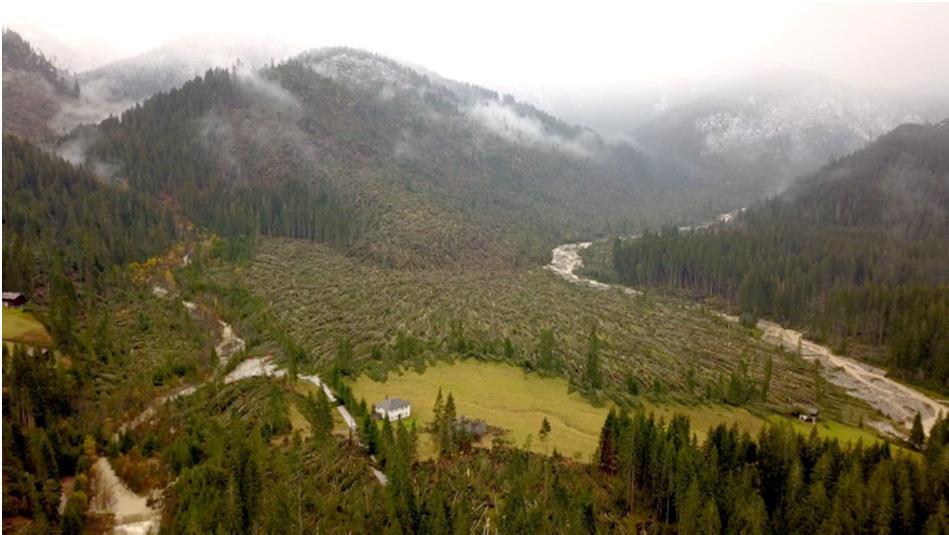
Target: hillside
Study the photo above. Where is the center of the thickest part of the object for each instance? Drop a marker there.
(757, 134)
(401, 318)
(135, 79)
(428, 171)
(34, 89)
(60, 221)
(855, 253)
(226, 277)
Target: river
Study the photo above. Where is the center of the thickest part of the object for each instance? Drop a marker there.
(863, 381)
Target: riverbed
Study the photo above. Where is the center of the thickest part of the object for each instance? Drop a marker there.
(896, 401)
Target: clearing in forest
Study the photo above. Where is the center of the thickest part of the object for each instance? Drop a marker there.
(503, 396)
(517, 401)
(21, 327)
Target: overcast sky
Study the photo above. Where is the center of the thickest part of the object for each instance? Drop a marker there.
(536, 48)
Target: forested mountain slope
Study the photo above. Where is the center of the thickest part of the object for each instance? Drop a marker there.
(855, 253)
(60, 220)
(68, 242)
(34, 90)
(427, 171)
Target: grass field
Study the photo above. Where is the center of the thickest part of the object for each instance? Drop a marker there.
(705, 416)
(503, 396)
(22, 328)
(509, 398)
(830, 429)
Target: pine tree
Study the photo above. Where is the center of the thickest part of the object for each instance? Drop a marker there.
(690, 511)
(607, 451)
(882, 505)
(449, 418)
(438, 411)
(344, 356)
(544, 432)
(593, 375)
(324, 415)
(917, 436)
(545, 351)
(369, 435)
(766, 385)
(711, 522)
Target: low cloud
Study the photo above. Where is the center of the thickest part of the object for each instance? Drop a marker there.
(268, 91)
(96, 102)
(515, 127)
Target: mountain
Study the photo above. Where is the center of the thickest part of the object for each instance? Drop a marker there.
(755, 135)
(429, 170)
(117, 86)
(855, 253)
(136, 78)
(34, 89)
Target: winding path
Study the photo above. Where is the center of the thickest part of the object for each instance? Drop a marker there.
(343, 411)
(863, 381)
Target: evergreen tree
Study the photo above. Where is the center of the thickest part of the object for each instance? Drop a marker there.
(544, 432)
(546, 360)
(593, 375)
(447, 433)
(369, 434)
(324, 414)
(690, 511)
(917, 436)
(766, 385)
(711, 522)
(606, 452)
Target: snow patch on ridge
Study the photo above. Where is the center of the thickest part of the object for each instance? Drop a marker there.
(798, 121)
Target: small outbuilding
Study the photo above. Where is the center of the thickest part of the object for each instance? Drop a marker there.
(393, 409)
(807, 414)
(473, 427)
(13, 299)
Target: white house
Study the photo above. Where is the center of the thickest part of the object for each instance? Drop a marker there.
(393, 409)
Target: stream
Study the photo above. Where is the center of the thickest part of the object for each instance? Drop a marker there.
(132, 514)
(863, 381)
(565, 260)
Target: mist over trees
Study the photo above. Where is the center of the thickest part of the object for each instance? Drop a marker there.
(343, 214)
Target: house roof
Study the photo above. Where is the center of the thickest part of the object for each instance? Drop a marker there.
(392, 404)
(11, 295)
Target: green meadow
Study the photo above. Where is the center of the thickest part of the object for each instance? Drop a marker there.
(516, 401)
(22, 328)
(503, 396)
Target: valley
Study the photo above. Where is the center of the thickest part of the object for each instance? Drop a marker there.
(894, 400)
(387, 319)
(255, 288)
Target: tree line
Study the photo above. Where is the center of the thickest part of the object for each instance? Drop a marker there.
(777, 482)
